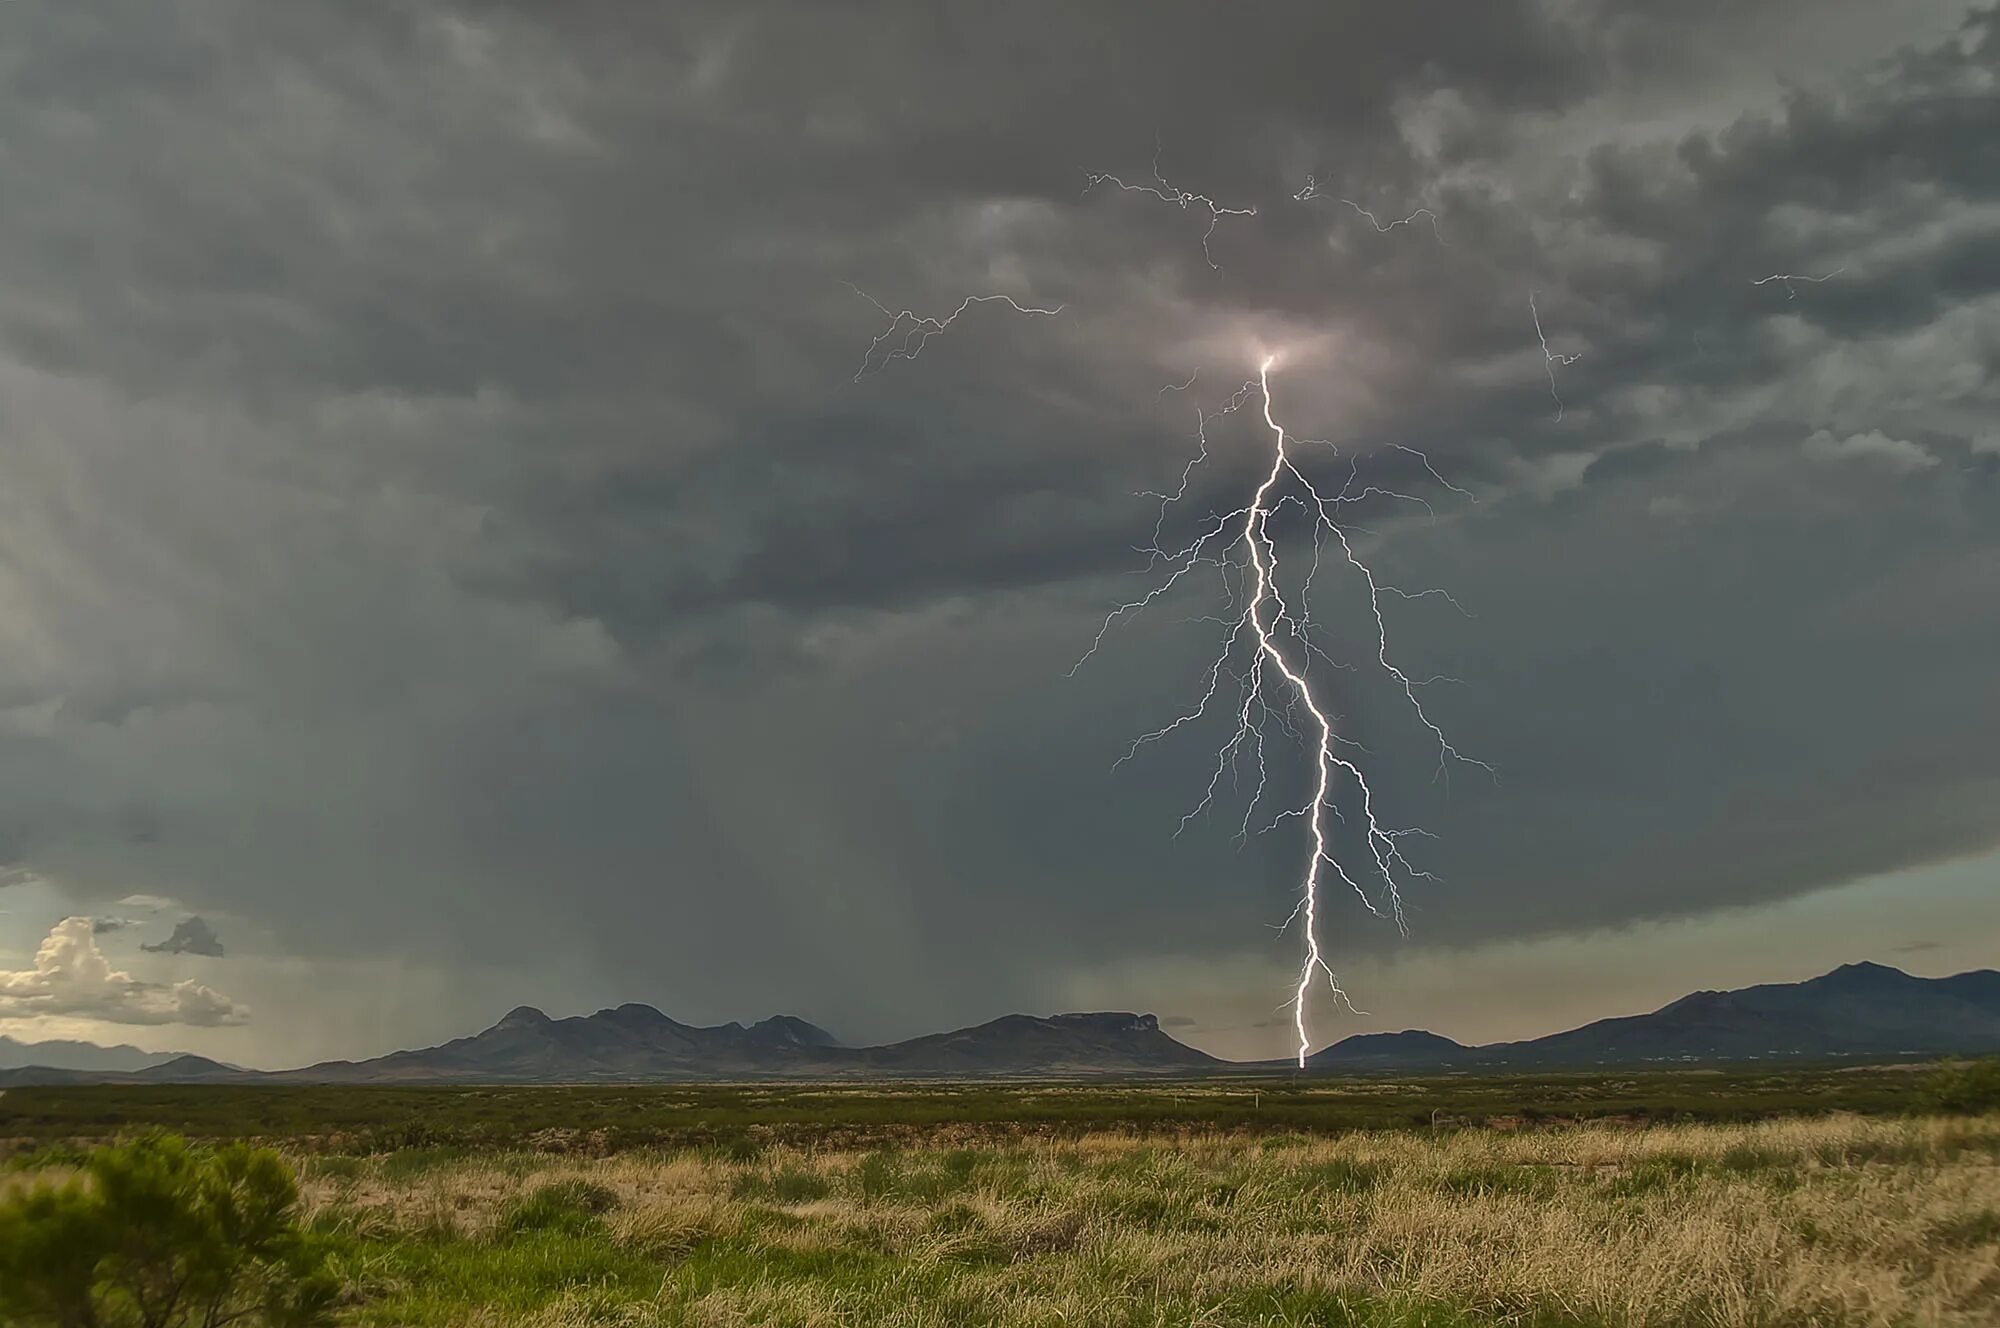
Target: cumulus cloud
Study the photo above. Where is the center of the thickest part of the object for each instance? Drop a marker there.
(1873, 447)
(191, 936)
(72, 977)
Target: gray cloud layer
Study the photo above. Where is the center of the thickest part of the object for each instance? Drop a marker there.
(435, 514)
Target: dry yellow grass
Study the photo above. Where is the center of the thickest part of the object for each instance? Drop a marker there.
(1810, 1222)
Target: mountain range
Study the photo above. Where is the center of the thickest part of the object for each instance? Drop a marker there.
(1859, 1010)
(66, 1055)
(1856, 1010)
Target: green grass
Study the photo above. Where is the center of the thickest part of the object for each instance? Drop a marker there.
(439, 1280)
(1602, 1225)
(428, 1124)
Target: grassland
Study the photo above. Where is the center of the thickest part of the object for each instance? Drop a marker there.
(612, 1118)
(1833, 1221)
(1670, 1201)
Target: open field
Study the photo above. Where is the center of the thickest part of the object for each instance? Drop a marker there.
(1835, 1221)
(1673, 1200)
(602, 1119)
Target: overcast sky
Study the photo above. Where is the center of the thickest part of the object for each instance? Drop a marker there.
(445, 546)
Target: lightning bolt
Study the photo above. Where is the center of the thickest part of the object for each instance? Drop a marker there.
(1268, 652)
(1789, 277)
(1312, 191)
(1275, 683)
(909, 332)
(1180, 198)
(1551, 360)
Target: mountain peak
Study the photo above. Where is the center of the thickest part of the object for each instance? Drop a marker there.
(637, 1010)
(1412, 1044)
(1862, 974)
(792, 1031)
(523, 1016)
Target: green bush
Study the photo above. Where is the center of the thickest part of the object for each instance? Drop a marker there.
(1965, 1086)
(153, 1233)
(569, 1206)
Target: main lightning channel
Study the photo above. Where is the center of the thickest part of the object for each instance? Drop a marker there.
(1263, 556)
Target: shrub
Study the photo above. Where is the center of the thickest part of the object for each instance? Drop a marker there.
(156, 1234)
(1965, 1086)
(569, 1206)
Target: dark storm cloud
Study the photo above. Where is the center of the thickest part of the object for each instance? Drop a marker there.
(191, 936)
(437, 508)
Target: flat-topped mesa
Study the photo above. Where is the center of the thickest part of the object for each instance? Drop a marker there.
(1110, 1021)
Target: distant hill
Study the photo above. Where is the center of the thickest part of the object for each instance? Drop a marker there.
(1860, 1010)
(64, 1055)
(182, 1069)
(637, 1042)
(1856, 1010)
(1060, 1044)
(1389, 1051)
(626, 1043)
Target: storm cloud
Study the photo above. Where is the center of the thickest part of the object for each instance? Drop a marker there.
(439, 520)
(190, 936)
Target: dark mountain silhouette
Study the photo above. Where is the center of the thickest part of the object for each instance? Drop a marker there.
(1388, 1051)
(1860, 1010)
(181, 1069)
(65, 1055)
(196, 1070)
(637, 1042)
(628, 1042)
(1856, 1010)
(1059, 1044)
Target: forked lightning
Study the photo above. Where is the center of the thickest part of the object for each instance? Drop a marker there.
(1276, 636)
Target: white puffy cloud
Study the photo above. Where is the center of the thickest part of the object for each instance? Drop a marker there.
(72, 977)
(1874, 447)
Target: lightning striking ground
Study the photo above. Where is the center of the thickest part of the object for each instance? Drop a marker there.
(1269, 637)
(1275, 682)
(916, 330)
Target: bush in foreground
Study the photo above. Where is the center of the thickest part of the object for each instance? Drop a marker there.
(154, 1233)
(1965, 1086)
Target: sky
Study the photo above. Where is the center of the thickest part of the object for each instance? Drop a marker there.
(458, 550)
